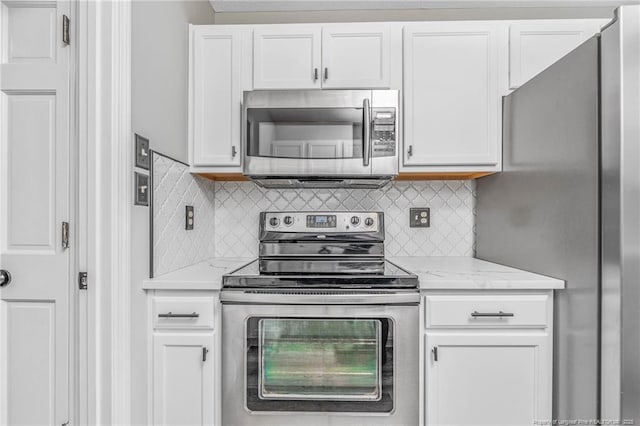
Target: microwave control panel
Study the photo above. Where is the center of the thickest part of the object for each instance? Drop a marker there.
(383, 132)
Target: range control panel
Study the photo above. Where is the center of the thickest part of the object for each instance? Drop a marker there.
(321, 222)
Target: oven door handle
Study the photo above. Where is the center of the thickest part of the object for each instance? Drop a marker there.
(366, 132)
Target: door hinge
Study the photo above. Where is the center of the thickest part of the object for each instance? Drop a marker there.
(82, 280)
(204, 354)
(435, 353)
(66, 23)
(65, 235)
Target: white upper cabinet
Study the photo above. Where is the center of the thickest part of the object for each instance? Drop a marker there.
(454, 79)
(451, 77)
(286, 57)
(533, 46)
(355, 56)
(220, 68)
(340, 56)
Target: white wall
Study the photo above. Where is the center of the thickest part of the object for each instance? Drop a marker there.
(159, 112)
(159, 70)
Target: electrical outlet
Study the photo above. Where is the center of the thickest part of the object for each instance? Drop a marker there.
(189, 218)
(142, 152)
(141, 189)
(419, 217)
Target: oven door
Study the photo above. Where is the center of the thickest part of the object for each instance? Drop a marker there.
(280, 362)
(314, 133)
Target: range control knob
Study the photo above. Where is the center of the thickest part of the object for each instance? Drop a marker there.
(274, 221)
(288, 220)
(368, 221)
(355, 220)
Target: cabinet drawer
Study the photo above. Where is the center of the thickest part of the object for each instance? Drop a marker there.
(183, 312)
(486, 311)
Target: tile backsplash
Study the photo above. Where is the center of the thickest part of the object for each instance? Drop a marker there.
(452, 203)
(226, 215)
(173, 189)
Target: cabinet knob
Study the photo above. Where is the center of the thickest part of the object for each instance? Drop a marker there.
(315, 74)
(233, 151)
(410, 151)
(326, 73)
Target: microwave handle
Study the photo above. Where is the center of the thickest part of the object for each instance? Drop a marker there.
(366, 133)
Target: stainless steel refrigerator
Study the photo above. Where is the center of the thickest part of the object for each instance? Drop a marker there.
(567, 204)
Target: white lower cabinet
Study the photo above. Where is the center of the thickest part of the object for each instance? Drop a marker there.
(185, 358)
(490, 372)
(183, 379)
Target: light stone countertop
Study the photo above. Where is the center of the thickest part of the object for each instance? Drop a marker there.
(434, 273)
(468, 273)
(205, 275)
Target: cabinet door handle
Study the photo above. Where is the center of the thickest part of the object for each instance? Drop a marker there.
(435, 353)
(233, 151)
(410, 151)
(499, 314)
(326, 73)
(172, 315)
(315, 74)
(5, 277)
(204, 354)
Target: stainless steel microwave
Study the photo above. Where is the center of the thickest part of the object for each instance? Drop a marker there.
(320, 138)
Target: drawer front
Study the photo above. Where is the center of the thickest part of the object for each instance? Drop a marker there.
(183, 312)
(486, 311)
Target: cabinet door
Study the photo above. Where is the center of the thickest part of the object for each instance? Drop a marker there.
(183, 379)
(452, 93)
(488, 378)
(355, 56)
(216, 95)
(286, 57)
(533, 46)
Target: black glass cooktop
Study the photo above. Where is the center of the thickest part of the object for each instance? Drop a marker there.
(311, 273)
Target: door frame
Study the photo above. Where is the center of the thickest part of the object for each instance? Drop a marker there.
(105, 199)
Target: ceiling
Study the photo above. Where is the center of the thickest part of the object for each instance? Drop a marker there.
(322, 5)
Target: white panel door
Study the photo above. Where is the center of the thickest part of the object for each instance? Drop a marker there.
(34, 194)
(355, 56)
(533, 46)
(488, 379)
(216, 95)
(183, 379)
(452, 93)
(286, 57)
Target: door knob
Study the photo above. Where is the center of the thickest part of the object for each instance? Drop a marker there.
(5, 277)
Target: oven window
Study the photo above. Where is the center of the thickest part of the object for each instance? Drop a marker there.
(333, 359)
(331, 133)
(319, 364)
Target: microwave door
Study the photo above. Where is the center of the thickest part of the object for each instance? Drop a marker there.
(309, 141)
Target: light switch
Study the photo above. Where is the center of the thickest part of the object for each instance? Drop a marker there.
(141, 189)
(142, 152)
(419, 217)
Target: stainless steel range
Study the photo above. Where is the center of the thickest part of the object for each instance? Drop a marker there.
(320, 325)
